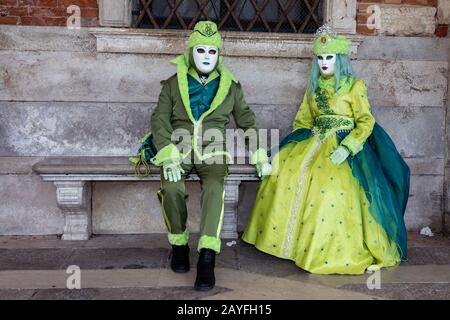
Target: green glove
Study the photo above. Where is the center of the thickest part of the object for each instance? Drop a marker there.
(261, 162)
(263, 169)
(339, 155)
(172, 172)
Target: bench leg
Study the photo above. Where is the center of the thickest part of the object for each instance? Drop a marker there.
(74, 199)
(229, 229)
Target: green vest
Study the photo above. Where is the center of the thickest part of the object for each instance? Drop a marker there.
(201, 96)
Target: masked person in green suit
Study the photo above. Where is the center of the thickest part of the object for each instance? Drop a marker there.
(199, 99)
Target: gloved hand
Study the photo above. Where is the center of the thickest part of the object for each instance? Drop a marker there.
(261, 161)
(339, 155)
(263, 169)
(172, 172)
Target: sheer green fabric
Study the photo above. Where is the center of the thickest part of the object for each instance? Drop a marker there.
(385, 177)
(295, 136)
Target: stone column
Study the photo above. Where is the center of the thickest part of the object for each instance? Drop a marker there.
(115, 13)
(443, 12)
(341, 15)
(443, 18)
(229, 229)
(74, 199)
(446, 213)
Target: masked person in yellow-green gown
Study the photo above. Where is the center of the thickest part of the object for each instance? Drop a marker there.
(336, 198)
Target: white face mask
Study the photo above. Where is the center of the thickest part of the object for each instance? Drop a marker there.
(326, 63)
(205, 58)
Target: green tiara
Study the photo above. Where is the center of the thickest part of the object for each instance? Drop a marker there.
(328, 42)
(205, 33)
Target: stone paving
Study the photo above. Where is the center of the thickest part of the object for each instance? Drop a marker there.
(137, 267)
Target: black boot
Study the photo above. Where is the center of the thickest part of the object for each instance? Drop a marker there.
(205, 270)
(180, 259)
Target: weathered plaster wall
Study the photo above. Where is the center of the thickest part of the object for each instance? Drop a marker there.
(402, 17)
(58, 96)
(446, 219)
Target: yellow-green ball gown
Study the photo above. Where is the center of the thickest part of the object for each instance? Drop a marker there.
(318, 214)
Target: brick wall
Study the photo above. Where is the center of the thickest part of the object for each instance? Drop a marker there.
(46, 12)
(406, 7)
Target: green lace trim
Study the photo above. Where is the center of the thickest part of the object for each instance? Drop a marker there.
(168, 154)
(326, 83)
(345, 84)
(352, 145)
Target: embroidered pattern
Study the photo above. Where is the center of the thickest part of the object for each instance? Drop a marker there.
(323, 125)
(208, 30)
(322, 101)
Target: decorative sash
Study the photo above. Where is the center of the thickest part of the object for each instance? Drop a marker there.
(328, 124)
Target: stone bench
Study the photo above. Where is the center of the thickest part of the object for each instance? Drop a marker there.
(72, 177)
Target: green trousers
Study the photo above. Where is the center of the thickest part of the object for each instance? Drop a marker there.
(173, 200)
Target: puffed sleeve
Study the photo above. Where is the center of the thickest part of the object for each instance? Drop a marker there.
(364, 120)
(304, 118)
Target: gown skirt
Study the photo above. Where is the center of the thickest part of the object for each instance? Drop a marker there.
(332, 219)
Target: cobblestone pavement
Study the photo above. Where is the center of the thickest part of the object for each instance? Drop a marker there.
(137, 267)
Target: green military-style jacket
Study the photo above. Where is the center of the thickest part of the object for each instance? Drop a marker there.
(173, 112)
